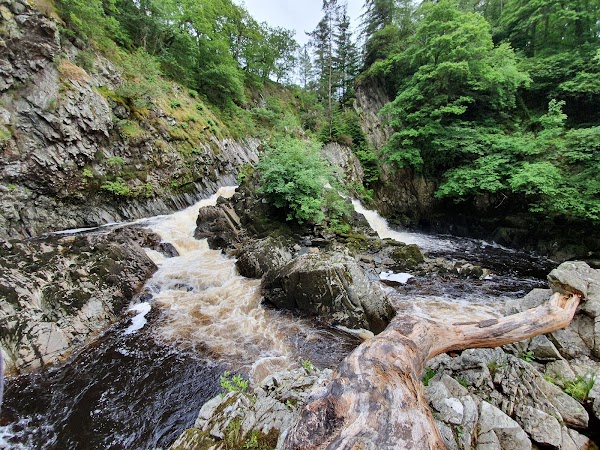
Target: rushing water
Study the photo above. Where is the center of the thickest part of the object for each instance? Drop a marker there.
(143, 381)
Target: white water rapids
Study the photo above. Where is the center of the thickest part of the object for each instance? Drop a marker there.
(206, 304)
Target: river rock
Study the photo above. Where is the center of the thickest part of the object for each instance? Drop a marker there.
(578, 278)
(499, 431)
(543, 428)
(406, 257)
(543, 349)
(559, 372)
(332, 286)
(219, 224)
(56, 293)
(513, 385)
(263, 255)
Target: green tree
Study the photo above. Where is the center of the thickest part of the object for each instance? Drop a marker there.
(93, 20)
(457, 76)
(293, 176)
(345, 58)
(305, 67)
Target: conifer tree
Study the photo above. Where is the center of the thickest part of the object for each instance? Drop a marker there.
(345, 55)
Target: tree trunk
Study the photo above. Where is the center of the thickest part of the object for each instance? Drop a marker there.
(376, 399)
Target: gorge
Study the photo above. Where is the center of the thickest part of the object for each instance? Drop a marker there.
(195, 256)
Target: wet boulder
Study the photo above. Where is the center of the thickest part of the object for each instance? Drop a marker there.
(220, 225)
(260, 256)
(406, 257)
(332, 286)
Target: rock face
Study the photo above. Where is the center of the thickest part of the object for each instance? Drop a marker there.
(264, 255)
(257, 418)
(350, 169)
(331, 286)
(66, 135)
(57, 292)
(401, 193)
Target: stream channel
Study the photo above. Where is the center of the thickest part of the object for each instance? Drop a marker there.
(143, 381)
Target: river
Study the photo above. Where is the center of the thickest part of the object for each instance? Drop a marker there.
(143, 381)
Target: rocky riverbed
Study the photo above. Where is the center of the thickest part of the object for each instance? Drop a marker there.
(523, 396)
(539, 393)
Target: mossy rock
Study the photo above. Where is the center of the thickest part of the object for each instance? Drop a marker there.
(195, 439)
(407, 257)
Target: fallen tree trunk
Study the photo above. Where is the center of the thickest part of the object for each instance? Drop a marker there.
(376, 399)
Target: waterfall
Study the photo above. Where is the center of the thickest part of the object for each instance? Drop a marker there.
(383, 230)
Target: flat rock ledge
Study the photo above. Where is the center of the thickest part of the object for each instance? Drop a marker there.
(58, 292)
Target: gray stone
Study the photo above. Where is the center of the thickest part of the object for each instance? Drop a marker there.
(488, 441)
(220, 225)
(571, 411)
(263, 255)
(543, 349)
(533, 299)
(559, 372)
(330, 285)
(455, 389)
(510, 435)
(579, 439)
(543, 428)
(573, 277)
(447, 435)
(569, 343)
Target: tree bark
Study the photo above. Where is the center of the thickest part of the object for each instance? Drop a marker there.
(376, 399)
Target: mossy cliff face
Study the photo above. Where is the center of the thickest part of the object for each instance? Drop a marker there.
(400, 193)
(409, 198)
(77, 149)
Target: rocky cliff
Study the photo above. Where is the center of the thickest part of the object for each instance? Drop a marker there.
(77, 150)
(400, 193)
(408, 198)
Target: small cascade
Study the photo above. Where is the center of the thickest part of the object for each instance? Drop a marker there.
(447, 298)
(205, 304)
(382, 228)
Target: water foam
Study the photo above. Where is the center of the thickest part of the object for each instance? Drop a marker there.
(205, 303)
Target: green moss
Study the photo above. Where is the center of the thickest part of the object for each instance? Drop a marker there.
(196, 439)
(112, 95)
(177, 134)
(131, 130)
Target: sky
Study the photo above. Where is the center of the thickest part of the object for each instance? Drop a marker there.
(298, 15)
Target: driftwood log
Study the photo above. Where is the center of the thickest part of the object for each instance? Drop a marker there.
(376, 399)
